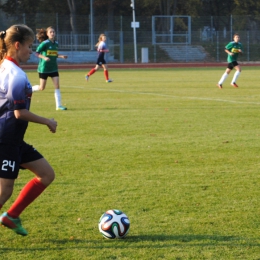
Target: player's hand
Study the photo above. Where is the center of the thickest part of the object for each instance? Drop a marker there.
(65, 56)
(47, 59)
(52, 125)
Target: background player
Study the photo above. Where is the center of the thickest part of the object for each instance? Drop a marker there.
(233, 49)
(47, 51)
(15, 153)
(102, 49)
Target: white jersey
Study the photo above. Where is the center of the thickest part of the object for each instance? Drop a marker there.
(15, 94)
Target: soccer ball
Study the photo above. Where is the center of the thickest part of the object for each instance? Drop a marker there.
(114, 224)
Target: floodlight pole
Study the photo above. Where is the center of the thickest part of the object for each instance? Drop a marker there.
(91, 26)
(134, 29)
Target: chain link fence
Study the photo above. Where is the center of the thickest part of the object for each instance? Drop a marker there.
(205, 36)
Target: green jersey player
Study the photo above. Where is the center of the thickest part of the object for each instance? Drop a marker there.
(233, 49)
(47, 52)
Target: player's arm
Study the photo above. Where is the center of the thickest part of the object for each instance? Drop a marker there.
(24, 114)
(39, 50)
(103, 50)
(62, 56)
(40, 56)
(229, 52)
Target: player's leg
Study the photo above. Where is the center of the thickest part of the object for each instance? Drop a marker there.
(236, 75)
(43, 82)
(106, 73)
(44, 176)
(57, 94)
(92, 71)
(6, 190)
(9, 156)
(223, 77)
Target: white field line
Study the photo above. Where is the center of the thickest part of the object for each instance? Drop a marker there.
(177, 97)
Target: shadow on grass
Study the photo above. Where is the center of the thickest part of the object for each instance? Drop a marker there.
(143, 241)
(165, 241)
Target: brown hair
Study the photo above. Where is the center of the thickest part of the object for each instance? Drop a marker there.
(42, 34)
(16, 33)
(100, 38)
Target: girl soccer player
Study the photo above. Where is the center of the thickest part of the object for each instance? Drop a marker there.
(102, 49)
(15, 153)
(233, 49)
(47, 51)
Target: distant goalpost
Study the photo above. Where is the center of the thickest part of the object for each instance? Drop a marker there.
(171, 29)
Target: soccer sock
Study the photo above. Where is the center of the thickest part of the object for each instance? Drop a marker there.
(106, 74)
(91, 72)
(236, 75)
(223, 78)
(57, 96)
(35, 88)
(27, 195)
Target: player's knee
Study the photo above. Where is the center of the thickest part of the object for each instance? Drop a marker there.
(51, 177)
(48, 177)
(6, 193)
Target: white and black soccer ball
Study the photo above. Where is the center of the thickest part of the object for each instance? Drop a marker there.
(114, 224)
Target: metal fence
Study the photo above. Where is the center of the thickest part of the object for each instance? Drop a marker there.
(209, 33)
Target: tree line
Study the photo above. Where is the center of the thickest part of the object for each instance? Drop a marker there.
(73, 8)
(143, 7)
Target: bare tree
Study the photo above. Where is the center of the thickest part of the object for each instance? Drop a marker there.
(72, 7)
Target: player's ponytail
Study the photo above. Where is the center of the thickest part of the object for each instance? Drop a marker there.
(2, 45)
(41, 35)
(100, 39)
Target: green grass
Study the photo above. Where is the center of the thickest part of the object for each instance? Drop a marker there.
(179, 156)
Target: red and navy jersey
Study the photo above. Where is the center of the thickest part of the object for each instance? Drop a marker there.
(15, 94)
(101, 46)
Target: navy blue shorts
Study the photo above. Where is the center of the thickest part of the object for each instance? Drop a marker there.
(46, 75)
(11, 157)
(100, 61)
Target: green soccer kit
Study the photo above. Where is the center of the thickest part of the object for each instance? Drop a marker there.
(233, 47)
(48, 49)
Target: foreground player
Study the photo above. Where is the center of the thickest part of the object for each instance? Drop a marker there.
(47, 51)
(233, 49)
(102, 49)
(15, 153)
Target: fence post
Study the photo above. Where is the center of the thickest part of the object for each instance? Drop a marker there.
(71, 40)
(217, 46)
(154, 52)
(231, 28)
(248, 47)
(121, 46)
(186, 52)
(57, 23)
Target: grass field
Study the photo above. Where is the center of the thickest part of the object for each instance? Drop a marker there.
(178, 155)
